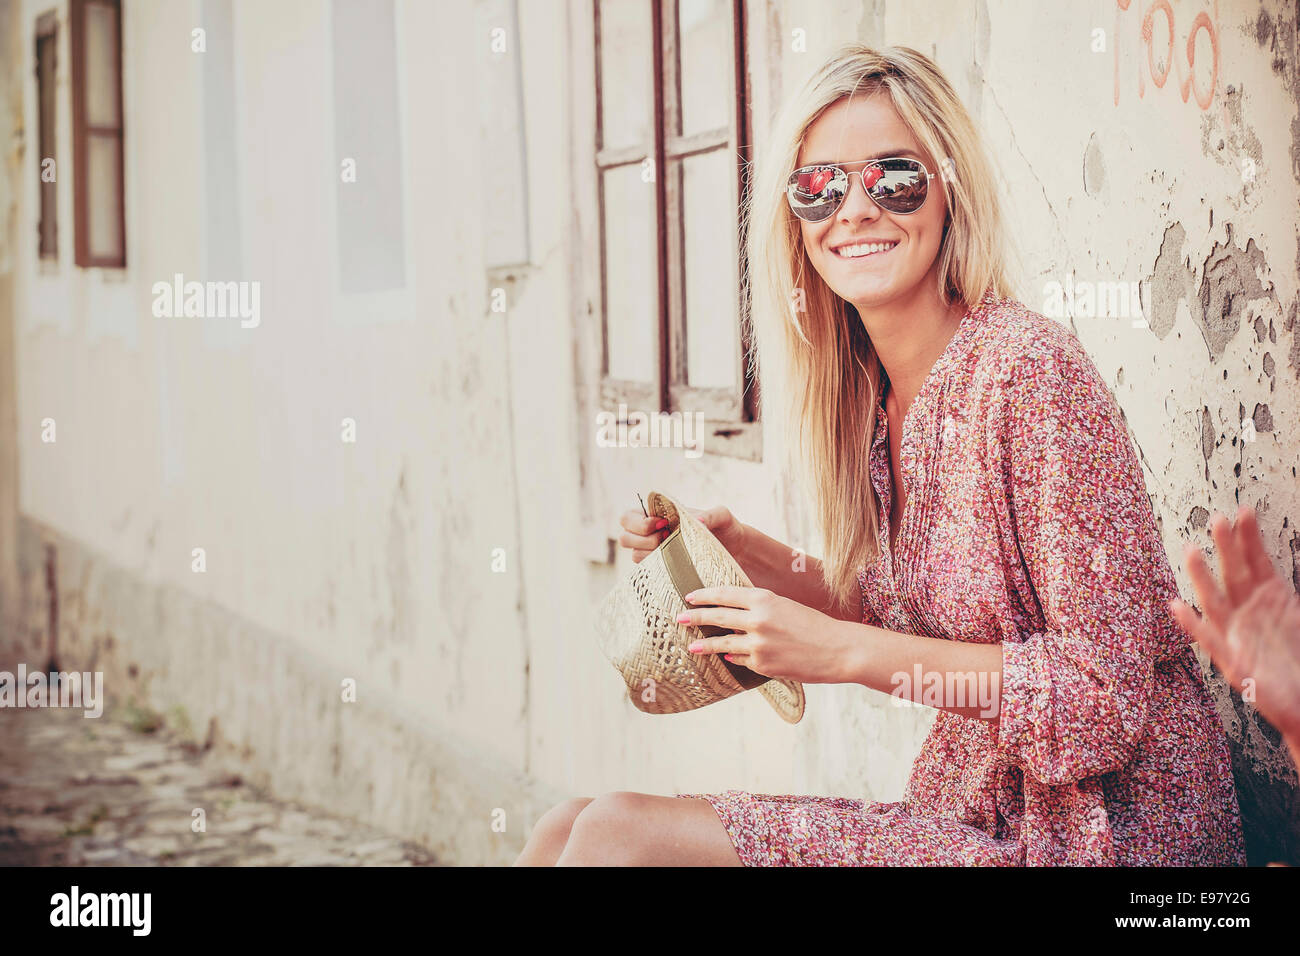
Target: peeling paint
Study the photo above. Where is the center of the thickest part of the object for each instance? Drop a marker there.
(1170, 280)
(1279, 38)
(1229, 279)
(1207, 434)
(1094, 168)
(1235, 141)
(399, 627)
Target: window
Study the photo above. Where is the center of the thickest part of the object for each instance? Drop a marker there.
(222, 232)
(47, 45)
(368, 143)
(671, 146)
(95, 30)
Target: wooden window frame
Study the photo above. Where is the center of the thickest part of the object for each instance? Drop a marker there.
(47, 34)
(82, 131)
(731, 414)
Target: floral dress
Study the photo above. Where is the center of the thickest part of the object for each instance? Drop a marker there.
(1026, 523)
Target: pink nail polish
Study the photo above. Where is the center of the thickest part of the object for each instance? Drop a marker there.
(684, 618)
(694, 646)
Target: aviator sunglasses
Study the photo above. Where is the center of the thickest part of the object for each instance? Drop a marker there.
(897, 184)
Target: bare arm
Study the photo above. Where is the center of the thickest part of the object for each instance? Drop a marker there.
(773, 565)
(767, 563)
(965, 678)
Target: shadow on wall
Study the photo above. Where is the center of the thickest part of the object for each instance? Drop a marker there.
(1266, 784)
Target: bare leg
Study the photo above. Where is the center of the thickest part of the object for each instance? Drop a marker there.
(546, 842)
(639, 829)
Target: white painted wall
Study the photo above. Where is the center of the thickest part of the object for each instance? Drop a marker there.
(373, 560)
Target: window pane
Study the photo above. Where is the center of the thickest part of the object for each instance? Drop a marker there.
(368, 131)
(103, 176)
(707, 63)
(221, 212)
(502, 165)
(49, 190)
(626, 73)
(631, 271)
(710, 219)
(101, 65)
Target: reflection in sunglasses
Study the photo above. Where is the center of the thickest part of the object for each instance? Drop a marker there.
(897, 185)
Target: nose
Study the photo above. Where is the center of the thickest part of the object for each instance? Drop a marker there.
(858, 204)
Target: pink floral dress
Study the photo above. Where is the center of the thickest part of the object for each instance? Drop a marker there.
(1026, 523)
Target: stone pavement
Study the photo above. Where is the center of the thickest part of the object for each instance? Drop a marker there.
(120, 790)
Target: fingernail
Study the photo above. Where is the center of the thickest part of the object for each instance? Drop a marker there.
(689, 597)
(661, 523)
(727, 656)
(684, 617)
(695, 646)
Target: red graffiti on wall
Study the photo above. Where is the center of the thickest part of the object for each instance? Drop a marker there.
(1187, 85)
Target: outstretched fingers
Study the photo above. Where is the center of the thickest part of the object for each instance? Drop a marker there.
(1250, 544)
(1233, 566)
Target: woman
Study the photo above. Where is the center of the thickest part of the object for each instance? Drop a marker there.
(983, 513)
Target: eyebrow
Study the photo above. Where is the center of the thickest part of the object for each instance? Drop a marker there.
(881, 154)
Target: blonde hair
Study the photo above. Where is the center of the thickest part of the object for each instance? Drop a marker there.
(822, 366)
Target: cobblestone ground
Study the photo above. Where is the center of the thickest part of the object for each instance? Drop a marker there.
(119, 791)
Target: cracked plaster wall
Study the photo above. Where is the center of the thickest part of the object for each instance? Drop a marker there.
(482, 689)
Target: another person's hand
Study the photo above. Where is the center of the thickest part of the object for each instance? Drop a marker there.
(644, 534)
(1250, 628)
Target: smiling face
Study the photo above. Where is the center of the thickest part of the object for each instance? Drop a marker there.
(869, 256)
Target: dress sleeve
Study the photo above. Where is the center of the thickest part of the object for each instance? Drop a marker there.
(1074, 695)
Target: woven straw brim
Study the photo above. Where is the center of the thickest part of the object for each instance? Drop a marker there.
(637, 629)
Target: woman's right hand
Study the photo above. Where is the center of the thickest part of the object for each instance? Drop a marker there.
(643, 534)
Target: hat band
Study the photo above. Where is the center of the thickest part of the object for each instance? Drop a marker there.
(686, 579)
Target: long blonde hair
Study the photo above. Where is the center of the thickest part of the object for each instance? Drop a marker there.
(822, 371)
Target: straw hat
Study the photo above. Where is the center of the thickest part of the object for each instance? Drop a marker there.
(638, 631)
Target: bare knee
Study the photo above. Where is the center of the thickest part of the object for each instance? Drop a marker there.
(608, 831)
(551, 832)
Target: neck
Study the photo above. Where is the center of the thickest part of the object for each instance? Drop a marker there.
(909, 335)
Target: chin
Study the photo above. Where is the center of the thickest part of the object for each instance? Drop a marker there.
(869, 295)
(868, 289)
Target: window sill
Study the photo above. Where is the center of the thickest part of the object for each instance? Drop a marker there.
(740, 440)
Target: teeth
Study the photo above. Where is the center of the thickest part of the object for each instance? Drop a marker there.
(865, 249)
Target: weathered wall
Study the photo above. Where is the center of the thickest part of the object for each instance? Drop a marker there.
(11, 155)
(1190, 188)
(479, 683)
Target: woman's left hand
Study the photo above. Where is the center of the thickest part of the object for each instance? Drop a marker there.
(780, 637)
